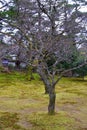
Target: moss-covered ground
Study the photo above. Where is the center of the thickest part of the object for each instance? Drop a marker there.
(23, 104)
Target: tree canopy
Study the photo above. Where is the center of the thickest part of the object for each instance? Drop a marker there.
(49, 30)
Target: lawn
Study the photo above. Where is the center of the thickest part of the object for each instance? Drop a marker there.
(23, 104)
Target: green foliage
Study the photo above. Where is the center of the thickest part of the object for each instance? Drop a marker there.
(75, 60)
(82, 71)
(11, 13)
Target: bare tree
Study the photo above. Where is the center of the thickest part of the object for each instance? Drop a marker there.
(50, 30)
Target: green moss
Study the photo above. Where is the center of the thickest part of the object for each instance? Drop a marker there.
(17, 95)
(8, 120)
(59, 121)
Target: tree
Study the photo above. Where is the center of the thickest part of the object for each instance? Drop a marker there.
(47, 33)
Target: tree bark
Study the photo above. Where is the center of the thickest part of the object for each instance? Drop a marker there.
(46, 90)
(52, 98)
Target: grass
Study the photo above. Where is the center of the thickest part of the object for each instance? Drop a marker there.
(23, 104)
(42, 121)
(8, 121)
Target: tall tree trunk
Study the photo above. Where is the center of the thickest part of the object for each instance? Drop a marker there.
(52, 98)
